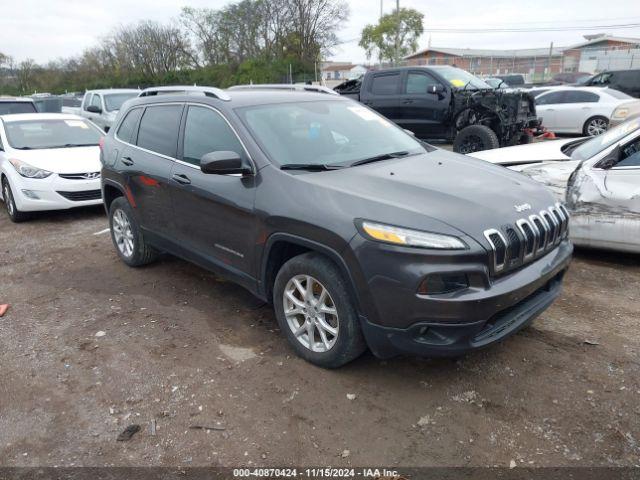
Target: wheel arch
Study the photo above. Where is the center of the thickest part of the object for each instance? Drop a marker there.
(281, 247)
(111, 191)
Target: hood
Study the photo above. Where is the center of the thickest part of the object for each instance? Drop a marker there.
(530, 153)
(466, 194)
(555, 175)
(62, 160)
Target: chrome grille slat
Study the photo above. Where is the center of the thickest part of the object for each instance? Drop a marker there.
(532, 237)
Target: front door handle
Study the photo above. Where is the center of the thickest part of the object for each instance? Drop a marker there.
(127, 161)
(181, 179)
(407, 102)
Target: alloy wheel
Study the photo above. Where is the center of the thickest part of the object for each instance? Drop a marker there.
(596, 126)
(122, 233)
(311, 313)
(471, 144)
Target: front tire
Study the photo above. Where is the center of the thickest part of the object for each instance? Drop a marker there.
(15, 215)
(316, 311)
(127, 236)
(475, 138)
(595, 126)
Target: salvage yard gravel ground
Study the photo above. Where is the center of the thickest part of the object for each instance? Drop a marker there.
(90, 347)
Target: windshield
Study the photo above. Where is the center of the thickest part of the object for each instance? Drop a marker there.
(460, 78)
(324, 133)
(114, 101)
(597, 144)
(7, 108)
(39, 134)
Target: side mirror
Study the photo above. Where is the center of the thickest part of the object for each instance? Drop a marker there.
(435, 89)
(224, 163)
(611, 160)
(94, 109)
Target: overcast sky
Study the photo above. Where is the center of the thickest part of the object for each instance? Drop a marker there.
(48, 29)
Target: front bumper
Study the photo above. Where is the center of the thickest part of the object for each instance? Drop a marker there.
(453, 324)
(33, 195)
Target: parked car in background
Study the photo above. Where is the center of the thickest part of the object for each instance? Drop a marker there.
(625, 111)
(515, 80)
(357, 232)
(102, 106)
(48, 161)
(447, 103)
(598, 177)
(627, 81)
(72, 103)
(578, 78)
(11, 105)
(496, 82)
(295, 87)
(578, 110)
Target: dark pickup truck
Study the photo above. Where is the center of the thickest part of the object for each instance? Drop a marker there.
(447, 103)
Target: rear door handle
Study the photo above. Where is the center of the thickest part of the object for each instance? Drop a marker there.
(127, 161)
(407, 102)
(181, 179)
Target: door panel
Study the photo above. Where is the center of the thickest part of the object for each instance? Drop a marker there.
(148, 166)
(423, 113)
(214, 214)
(384, 96)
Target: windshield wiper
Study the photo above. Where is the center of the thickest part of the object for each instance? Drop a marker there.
(312, 167)
(377, 158)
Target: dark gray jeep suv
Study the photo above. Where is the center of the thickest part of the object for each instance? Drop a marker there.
(359, 234)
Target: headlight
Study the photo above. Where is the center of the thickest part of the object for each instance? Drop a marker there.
(411, 238)
(27, 170)
(621, 113)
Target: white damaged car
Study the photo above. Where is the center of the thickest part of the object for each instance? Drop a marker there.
(598, 178)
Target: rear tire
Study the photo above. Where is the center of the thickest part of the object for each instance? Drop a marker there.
(595, 126)
(316, 312)
(15, 215)
(475, 138)
(127, 236)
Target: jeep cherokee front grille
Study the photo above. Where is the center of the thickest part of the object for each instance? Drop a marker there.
(531, 238)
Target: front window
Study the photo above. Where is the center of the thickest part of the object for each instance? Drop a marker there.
(40, 134)
(592, 147)
(334, 133)
(114, 101)
(460, 78)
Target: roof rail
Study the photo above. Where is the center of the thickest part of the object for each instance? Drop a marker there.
(186, 90)
(294, 87)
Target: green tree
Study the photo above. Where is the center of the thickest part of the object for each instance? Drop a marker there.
(395, 36)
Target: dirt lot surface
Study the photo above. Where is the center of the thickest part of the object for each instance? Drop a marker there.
(90, 346)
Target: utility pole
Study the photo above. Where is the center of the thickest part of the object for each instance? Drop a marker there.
(397, 55)
(550, 58)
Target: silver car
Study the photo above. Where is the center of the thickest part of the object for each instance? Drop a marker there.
(102, 106)
(599, 178)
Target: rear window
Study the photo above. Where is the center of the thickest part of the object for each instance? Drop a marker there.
(7, 108)
(385, 84)
(158, 130)
(126, 128)
(580, 97)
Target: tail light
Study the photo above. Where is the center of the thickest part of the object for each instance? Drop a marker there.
(101, 143)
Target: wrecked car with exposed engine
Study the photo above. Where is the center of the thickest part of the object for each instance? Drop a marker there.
(448, 103)
(599, 178)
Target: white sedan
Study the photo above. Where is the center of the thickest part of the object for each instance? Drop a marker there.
(578, 110)
(48, 161)
(599, 178)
